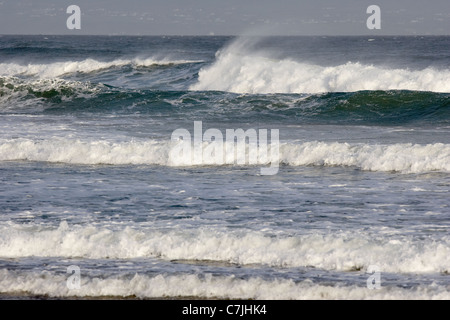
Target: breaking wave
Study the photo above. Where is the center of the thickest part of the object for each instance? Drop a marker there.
(344, 251)
(242, 70)
(190, 285)
(58, 69)
(404, 158)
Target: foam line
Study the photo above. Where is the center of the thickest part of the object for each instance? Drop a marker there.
(58, 69)
(173, 286)
(404, 158)
(342, 251)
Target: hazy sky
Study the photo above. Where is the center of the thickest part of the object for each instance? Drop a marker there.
(226, 17)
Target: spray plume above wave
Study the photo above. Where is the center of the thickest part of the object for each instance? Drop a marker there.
(90, 177)
(240, 69)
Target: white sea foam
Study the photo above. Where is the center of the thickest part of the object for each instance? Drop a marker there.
(404, 158)
(15, 87)
(241, 70)
(189, 285)
(58, 69)
(341, 251)
(85, 152)
(17, 94)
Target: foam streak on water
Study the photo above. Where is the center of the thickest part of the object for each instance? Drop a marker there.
(90, 175)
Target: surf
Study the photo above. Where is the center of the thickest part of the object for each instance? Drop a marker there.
(240, 68)
(342, 251)
(51, 70)
(399, 157)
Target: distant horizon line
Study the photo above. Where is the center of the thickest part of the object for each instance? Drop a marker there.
(225, 35)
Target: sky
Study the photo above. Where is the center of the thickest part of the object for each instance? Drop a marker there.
(225, 17)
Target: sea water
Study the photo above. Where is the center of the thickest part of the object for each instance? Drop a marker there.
(88, 178)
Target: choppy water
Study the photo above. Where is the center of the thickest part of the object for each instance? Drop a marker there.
(88, 177)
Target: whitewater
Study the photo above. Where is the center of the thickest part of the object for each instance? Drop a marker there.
(58, 69)
(90, 175)
(238, 69)
(404, 158)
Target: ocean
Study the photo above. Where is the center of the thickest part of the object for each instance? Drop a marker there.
(101, 196)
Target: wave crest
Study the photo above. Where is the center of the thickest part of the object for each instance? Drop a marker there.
(239, 70)
(58, 69)
(192, 285)
(404, 158)
(342, 251)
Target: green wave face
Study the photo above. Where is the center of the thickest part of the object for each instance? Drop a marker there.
(361, 107)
